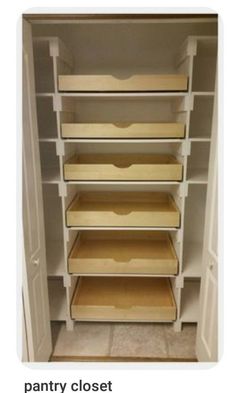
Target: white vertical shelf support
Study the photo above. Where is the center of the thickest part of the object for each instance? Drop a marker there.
(59, 53)
(184, 63)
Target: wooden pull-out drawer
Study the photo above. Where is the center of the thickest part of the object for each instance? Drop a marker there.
(123, 167)
(129, 209)
(168, 82)
(122, 130)
(123, 299)
(127, 252)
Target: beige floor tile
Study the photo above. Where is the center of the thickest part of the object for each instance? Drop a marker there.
(138, 340)
(87, 339)
(124, 340)
(181, 344)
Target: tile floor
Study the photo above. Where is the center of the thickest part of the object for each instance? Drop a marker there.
(124, 340)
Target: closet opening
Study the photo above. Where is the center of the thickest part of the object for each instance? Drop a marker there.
(125, 129)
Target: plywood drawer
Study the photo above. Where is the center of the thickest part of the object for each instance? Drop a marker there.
(154, 82)
(123, 209)
(123, 167)
(123, 299)
(122, 130)
(128, 252)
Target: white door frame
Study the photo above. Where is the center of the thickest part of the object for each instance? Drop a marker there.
(34, 269)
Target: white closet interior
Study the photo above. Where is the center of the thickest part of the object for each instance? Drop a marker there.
(125, 261)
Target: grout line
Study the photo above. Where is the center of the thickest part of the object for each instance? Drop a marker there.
(112, 326)
(166, 342)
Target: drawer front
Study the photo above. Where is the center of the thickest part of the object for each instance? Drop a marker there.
(109, 266)
(134, 172)
(89, 313)
(109, 219)
(108, 130)
(174, 82)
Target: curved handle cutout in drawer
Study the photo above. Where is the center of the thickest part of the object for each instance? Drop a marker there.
(122, 165)
(123, 77)
(122, 125)
(122, 212)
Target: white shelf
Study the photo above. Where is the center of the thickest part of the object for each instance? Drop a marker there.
(192, 259)
(126, 182)
(57, 299)
(47, 140)
(55, 259)
(200, 139)
(190, 301)
(197, 176)
(45, 94)
(50, 175)
(122, 95)
(123, 228)
(203, 93)
(46, 115)
(125, 141)
(201, 116)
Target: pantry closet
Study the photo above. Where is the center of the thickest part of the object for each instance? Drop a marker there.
(125, 110)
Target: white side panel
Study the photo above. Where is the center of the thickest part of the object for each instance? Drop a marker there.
(206, 345)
